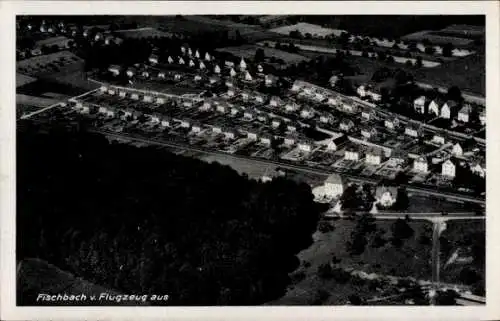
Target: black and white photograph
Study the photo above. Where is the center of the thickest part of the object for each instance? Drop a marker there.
(207, 160)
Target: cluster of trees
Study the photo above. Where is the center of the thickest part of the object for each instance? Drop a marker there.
(142, 220)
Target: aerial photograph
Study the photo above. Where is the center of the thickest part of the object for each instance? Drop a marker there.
(250, 160)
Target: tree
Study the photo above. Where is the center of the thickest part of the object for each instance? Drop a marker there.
(364, 54)
(447, 50)
(259, 55)
(325, 271)
(355, 299)
(390, 59)
(454, 93)
(447, 297)
(400, 231)
(350, 198)
(409, 63)
(402, 201)
(419, 62)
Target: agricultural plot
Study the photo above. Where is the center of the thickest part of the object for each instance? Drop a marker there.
(437, 39)
(248, 51)
(145, 32)
(22, 80)
(303, 28)
(49, 64)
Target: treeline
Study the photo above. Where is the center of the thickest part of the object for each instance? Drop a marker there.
(142, 220)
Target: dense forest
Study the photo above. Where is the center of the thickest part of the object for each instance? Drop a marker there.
(143, 220)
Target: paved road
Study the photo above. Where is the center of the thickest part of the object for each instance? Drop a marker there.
(285, 165)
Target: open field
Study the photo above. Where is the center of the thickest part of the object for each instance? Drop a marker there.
(49, 64)
(357, 53)
(412, 259)
(437, 39)
(248, 51)
(59, 41)
(467, 73)
(22, 80)
(303, 28)
(142, 33)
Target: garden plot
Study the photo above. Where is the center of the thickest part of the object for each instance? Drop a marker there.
(304, 28)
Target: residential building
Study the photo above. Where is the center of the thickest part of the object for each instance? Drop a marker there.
(160, 101)
(326, 118)
(291, 107)
(220, 108)
(369, 132)
(207, 57)
(191, 63)
(153, 59)
(206, 106)
(248, 115)
(332, 187)
(434, 107)
(397, 158)
(131, 72)
(259, 98)
(464, 113)
(270, 80)
(266, 140)
(478, 168)
(243, 64)
(449, 109)
(333, 101)
(305, 146)
(291, 128)
(351, 154)
(217, 69)
(457, 150)
(197, 78)
(229, 133)
(307, 113)
(202, 65)
(276, 123)
(181, 61)
(420, 165)
(419, 105)
(170, 60)
(439, 139)
(361, 91)
(216, 129)
(374, 156)
(275, 101)
(252, 135)
(386, 196)
(114, 69)
(248, 76)
(289, 141)
(346, 125)
(185, 123)
(336, 142)
(482, 118)
(147, 99)
(134, 96)
(413, 130)
(448, 169)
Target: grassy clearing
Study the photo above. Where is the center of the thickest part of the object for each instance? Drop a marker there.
(248, 51)
(412, 259)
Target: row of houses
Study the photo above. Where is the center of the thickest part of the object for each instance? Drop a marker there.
(446, 109)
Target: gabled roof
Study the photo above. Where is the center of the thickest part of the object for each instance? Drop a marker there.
(380, 190)
(466, 109)
(397, 153)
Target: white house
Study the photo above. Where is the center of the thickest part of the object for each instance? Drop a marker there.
(202, 65)
(420, 165)
(183, 50)
(181, 61)
(153, 59)
(170, 60)
(197, 54)
(148, 99)
(177, 77)
(191, 63)
(160, 101)
(374, 157)
(457, 150)
(419, 104)
(161, 75)
(464, 113)
(389, 124)
(229, 134)
(291, 128)
(114, 69)
(332, 187)
(135, 96)
(333, 101)
(289, 141)
(230, 92)
(434, 108)
(448, 169)
(248, 76)
(291, 107)
(259, 98)
(361, 91)
(122, 94)
(248, 115)
(412, 130)
(305, 146)
(477, 169)
(197, 78)
(206, 106)
(346, 125)
(438, 139)
(216, 129)
(217, 69)
(275, 101)
(252, 136)
(306, 113)
(276, 123)
(190, 52)
(243, 64)
(232, 72)
(368, 132)
(207, 56)
(266, 140)
(185, 124)
(351, 155)
(386, 195)
(220, 108)
(482, 118)
(196, 128)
